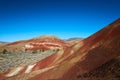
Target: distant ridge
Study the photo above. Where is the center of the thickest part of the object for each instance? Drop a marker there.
(70, 39)
(1, 42)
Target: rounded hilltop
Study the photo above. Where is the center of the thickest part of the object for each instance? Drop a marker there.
(47, 39)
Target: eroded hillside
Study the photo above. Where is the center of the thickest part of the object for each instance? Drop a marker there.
(87, 59)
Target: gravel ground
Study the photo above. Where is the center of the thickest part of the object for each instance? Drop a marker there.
(11, 60)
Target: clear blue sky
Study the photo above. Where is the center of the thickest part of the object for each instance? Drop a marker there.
(25, 19)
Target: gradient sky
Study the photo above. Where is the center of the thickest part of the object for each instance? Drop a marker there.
(25, 19)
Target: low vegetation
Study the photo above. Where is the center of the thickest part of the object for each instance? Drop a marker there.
(10, 60)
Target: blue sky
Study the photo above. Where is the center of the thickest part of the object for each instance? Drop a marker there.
(25, 19)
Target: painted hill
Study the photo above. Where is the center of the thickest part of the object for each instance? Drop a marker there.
(43, 42)
(70, 62)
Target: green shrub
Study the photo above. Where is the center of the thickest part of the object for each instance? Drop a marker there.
(34, 51)
(58, 50)
(5, 51)
(41, 50)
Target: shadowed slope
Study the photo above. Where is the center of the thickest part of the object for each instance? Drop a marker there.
(108, 71)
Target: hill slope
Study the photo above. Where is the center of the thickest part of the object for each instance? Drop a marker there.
(73, 61)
